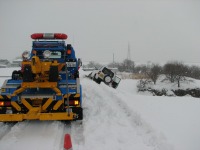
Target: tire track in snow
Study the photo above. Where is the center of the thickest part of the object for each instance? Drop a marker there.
(5, 128)
(148, 134)
(106, 125)
(35, 135)
(109, 120)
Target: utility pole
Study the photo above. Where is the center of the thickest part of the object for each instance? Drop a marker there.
(113, 60)
(129, 52)
(128, 58)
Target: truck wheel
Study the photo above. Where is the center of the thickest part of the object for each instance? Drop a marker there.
(2, 110)
(27, 75)
(107, 79)
(76, 74)
(79, 112)
(53, 74)
(16, 75)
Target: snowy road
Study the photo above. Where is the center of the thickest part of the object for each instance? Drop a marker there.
(108, 124)
(33, 135)
(113, 120)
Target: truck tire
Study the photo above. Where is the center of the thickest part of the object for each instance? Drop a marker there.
(15, 75)
(53, 74)
(76, 74)
(2, 110)
(79, 112)
(107, 79)
(27, 75)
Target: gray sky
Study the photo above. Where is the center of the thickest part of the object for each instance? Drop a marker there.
(156, 30)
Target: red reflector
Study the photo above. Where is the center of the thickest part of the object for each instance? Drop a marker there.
(69, 51)
(67, 142)
(7, 103)
(1, 103)
(71, 102)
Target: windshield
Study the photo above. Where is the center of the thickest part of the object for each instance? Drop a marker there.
(116, 79)
(54, 54)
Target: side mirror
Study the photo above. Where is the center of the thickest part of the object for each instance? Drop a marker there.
(79, 62)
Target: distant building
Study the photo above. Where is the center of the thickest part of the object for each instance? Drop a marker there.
(3, 66)
(4, 63)
(16, 63)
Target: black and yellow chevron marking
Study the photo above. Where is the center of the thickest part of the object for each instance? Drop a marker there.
(6, 97)
(71, 96)
(16, 106)
(47, 104)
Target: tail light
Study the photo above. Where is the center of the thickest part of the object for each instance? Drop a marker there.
(69, 51)
(73, 102)
(1, 103)
(5, 103)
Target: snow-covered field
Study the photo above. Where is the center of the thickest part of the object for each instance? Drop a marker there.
(114, 119)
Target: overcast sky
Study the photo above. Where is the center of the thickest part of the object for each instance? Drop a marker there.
(156, 30)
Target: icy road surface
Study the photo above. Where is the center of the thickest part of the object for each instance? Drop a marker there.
(113, 120)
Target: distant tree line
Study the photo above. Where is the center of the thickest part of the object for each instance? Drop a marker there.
(4, 63)
(174, 71)
(125, 66)
(92, 64)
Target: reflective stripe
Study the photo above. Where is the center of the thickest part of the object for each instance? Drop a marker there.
(57, 105)
(5, 97)
(16, 106)
(48, 102)
(71, 95)
(26, 104)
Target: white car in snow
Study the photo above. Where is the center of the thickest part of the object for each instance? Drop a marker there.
(105, 75)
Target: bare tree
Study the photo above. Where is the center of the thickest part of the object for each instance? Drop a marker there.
(169, 71)
(113, 65)
(153, 72)
(175, 71)
(140, 69)
(194, 72)
(93, 64)
(181, 71)
(128, 65)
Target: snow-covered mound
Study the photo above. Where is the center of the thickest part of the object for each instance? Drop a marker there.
(162, 83)
(188, 86)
